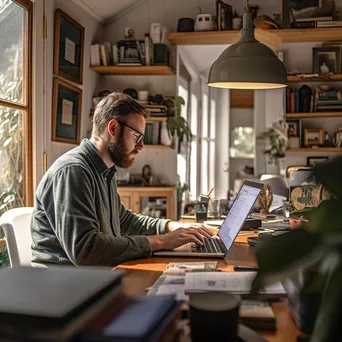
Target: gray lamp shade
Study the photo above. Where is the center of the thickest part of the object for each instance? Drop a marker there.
(248, 64)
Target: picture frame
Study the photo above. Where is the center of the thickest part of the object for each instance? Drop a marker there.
(313, 136)
(293, 129)
(327, 58)
(313, 161)
(66, 112)
(68, 47)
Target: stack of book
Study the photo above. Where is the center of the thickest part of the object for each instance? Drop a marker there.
(152, 133)
(328, 101)
(156, 110)
(316, 22)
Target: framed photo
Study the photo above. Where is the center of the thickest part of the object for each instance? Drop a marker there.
(293, 129)
(69, 47)
(313, 136)
(66, 112)
(326, 59)
(313, 161)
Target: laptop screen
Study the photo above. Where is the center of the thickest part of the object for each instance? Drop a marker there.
(239, 211)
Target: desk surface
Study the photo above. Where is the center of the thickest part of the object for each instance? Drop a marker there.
(142, 273)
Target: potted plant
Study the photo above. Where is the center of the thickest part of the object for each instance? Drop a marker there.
(276, 137)
(176, 124)
(315, 253)
(181, 189)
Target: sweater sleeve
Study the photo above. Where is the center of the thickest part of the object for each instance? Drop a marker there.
(74, 220)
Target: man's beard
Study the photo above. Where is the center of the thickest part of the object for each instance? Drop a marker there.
(118, 155)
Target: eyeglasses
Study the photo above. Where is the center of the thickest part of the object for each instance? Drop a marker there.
(141, 135)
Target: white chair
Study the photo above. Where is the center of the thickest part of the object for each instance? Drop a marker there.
(16, 225)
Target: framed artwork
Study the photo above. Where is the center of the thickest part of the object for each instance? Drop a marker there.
(69, 47)
(312, 161)
(293, 129)
(313, 136)
(326, 59)
(66, 112)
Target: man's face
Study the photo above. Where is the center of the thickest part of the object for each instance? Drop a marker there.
(125, 144)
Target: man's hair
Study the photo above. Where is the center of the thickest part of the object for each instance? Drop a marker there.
(115, 106)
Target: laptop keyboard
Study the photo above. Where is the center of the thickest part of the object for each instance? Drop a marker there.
(210, 246)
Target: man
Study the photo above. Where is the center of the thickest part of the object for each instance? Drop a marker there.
(78, 217)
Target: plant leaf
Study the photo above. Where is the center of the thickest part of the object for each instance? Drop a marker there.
(327, 326)
(277, 261)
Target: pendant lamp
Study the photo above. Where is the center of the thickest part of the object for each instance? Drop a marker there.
(248, 64)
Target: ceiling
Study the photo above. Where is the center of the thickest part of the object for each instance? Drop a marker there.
(203, 56)
(106, 10)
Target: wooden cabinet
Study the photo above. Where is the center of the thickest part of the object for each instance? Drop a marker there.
(153, 201)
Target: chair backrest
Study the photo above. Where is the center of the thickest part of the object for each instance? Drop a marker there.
(17, 227)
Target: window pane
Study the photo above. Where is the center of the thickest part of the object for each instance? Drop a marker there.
(12, 24)
(212, 117)
(204, 167)
(211, 163)
(242, 142)
(193, 170)
(184, 94)
(205, 121)
(11, 159)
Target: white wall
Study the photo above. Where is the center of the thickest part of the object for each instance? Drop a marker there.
(43, 104)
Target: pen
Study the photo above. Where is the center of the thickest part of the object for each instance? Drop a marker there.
(245, 268)
(211, 190)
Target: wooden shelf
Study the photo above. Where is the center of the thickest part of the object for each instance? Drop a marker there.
(157, 118)
(146, 70)
(313, 115)
(332, 78)
(272, 38)
(221, 37)
(309, 34)
(159, 146)
(317, 149)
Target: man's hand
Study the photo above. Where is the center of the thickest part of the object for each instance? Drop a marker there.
(180, 236)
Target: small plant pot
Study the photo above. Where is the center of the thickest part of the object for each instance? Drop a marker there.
(298, 224)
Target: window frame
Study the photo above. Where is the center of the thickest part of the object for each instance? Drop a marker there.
(26, 108)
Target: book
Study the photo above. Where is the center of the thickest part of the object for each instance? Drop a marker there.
(314, 19)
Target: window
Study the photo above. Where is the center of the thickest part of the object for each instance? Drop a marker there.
(15, 104)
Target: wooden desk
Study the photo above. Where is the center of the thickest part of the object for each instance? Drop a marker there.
(142, 273)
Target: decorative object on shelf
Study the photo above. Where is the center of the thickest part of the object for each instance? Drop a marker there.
(327, 57)
(313, 137)
(294, 133)
(66, 112)
(326, 139)
(265, 199)
(337, 140)
(254, 10)
(104, 93)
(224, 13)
(267, 71)
(176, 124)
(68, 49)
(131, 92)
(305, 95)
(164, 135)
(147, 176)
(204, 21)
(324, 68)
(143, 95)
(265, 22)
(237, 21)
(313, 161)
(129, 33)
(186, 25)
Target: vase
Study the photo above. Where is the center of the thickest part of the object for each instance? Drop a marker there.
(164, 135)
(237, 23)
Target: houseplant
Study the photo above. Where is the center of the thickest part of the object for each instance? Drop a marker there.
(176, 124)
(316, 253)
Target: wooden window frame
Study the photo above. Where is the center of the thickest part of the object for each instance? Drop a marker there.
(26, 108)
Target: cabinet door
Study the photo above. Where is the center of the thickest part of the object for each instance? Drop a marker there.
(126, 198)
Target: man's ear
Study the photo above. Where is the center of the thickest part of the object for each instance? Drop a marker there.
(113, 127)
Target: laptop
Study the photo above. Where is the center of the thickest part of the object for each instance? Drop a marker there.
(234, 221)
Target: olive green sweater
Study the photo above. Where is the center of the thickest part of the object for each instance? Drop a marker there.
(79, 218)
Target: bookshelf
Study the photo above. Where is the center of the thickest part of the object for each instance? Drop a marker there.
(316, 149)
(332, 78)
(157, 118)
(316, 115)
(159, 146)
(272, 38)
(134, 70)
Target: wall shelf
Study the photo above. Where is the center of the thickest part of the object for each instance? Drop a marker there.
(332, 78)
(159, 146)
(272, 38)
(157, 118)
(145, 70)
(317, 149)
(316, 115)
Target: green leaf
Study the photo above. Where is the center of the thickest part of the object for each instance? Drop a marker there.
(285, 254)
(327, 327)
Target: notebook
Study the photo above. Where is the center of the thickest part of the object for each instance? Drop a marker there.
(229, 229)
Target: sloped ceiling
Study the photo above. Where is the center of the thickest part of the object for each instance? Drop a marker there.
(107, 10)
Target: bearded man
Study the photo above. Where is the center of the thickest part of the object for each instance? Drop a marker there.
(79, 218)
